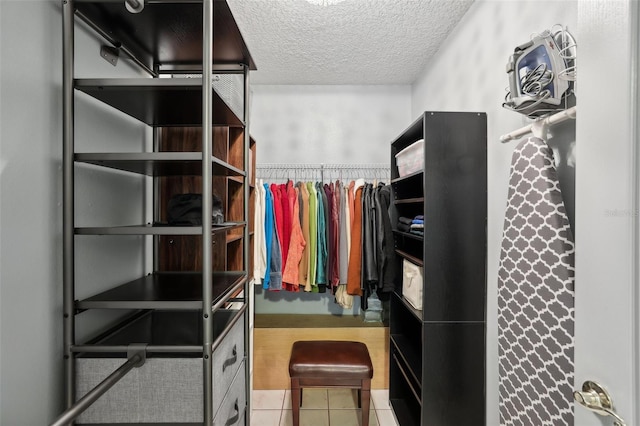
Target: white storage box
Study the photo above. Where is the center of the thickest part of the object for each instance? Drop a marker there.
(411, 159)
(412, 284)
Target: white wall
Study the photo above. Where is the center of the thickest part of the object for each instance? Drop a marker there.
(323, 124)
(468, 74)
(328, 124)
(31, 364)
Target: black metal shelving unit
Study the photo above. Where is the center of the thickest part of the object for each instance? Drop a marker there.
(437, 354)
(190, 314)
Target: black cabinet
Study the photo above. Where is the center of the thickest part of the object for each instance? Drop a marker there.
(437, 353)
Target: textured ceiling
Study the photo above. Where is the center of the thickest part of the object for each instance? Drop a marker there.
(350, 42)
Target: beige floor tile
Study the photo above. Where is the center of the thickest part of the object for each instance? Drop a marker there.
(268, 399)
(314, 398)
(286, 419)
(385, 418)
(266, 417)
(343, 398)
(287, 400)
(380, 399)
(307, 418)
(344, 417)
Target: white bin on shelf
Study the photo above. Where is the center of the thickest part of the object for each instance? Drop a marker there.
(412, 284)
(411, 159)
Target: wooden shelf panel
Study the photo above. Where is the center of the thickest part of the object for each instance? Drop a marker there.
(415, 200)
(167, 332)
(409, 356)
(409, 178)
(415, 260)
(169, 32)
(154, 230)
(159, 163)
(402, 413)
(164, 290)
(159, 101)
(417, 313)
(236, 179)
(408, 235)
(233, 237)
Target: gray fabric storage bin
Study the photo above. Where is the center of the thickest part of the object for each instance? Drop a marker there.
(168, 387)
(226, 364)
(233, 406)
(162, 390)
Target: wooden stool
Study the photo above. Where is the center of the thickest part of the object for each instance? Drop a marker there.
(330, 364)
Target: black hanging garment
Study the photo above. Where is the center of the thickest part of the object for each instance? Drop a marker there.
(385, 248)
(186, 210)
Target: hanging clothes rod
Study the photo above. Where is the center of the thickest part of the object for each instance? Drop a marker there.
(559, 117)
(382, 170)
(319, 166)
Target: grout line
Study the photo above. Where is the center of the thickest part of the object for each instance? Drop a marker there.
(284, 398)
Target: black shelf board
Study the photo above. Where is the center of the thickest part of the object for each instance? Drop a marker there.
(169, 333)
(158, 163)
(402, 413)
(415, 200)
(159, 101)
(411, 134)
(416, 312)
(164, 290)
(408, 177)
(137, 424)
(409, 235)
(410, 258)
(169, 32)
(154, 230)
(412, 360)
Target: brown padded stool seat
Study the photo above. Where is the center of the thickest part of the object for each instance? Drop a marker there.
(327, 364)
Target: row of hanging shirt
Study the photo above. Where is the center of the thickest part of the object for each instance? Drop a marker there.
(319, 237)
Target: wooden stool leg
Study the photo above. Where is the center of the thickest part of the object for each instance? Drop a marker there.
(365, 398)
(295, 401)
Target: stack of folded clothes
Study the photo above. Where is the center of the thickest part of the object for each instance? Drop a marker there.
(413, 226)
(417, 225)
(404, 224)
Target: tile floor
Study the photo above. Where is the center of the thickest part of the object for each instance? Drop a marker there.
(320, 407)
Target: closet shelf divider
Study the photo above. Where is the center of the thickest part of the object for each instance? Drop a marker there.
(165, 290)
(159, 101)
(158, 163)
(154, 229)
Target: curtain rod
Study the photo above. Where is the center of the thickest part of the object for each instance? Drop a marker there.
(565, 115)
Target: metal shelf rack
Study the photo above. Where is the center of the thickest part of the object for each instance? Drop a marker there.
(165, 38)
